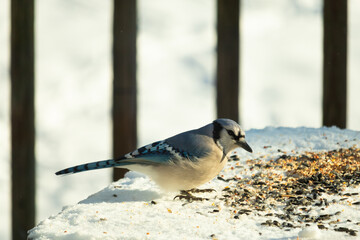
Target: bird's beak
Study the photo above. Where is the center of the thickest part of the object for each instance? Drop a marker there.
(243, 144)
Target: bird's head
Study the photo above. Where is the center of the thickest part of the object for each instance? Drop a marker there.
(228, 135)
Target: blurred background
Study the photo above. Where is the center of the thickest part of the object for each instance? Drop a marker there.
(281, 81)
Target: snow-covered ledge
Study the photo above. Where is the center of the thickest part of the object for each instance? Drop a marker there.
(135, 208)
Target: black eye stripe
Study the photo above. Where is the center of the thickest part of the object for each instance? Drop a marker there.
(231, 133)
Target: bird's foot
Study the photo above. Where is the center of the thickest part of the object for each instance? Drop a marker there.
(206, 190)
(188, 196)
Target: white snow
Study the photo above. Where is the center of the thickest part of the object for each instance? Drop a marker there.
(281, 81)
(310, 233)
(135, 208)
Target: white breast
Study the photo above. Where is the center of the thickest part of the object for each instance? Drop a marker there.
(184, 174)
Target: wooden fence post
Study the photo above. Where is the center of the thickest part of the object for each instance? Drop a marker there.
(22, 118)
(335, 63)
(124, 85)
(227, 97)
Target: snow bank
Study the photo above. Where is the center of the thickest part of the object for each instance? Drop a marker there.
(135, 208)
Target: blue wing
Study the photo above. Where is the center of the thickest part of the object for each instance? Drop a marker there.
(156, 153)
(153, 154)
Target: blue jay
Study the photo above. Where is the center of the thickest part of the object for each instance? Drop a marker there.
(182, 162)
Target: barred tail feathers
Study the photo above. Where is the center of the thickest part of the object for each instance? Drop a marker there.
(90, 166)
(126, 160)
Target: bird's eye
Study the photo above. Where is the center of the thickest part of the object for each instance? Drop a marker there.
(231, 133)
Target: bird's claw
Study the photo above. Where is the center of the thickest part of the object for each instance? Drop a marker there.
(206, 190)
(189, 197)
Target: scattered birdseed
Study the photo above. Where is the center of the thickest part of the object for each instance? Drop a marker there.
(320, 226)
(347, 230)
(291, 186)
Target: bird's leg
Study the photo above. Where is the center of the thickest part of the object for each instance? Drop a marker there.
(185, 194)
(206, 190)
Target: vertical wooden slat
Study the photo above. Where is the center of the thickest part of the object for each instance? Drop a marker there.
(228, 13)
(335, 63)
(124, 85)
(22, 118)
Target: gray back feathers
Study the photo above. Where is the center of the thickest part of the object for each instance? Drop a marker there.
(198, 142)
